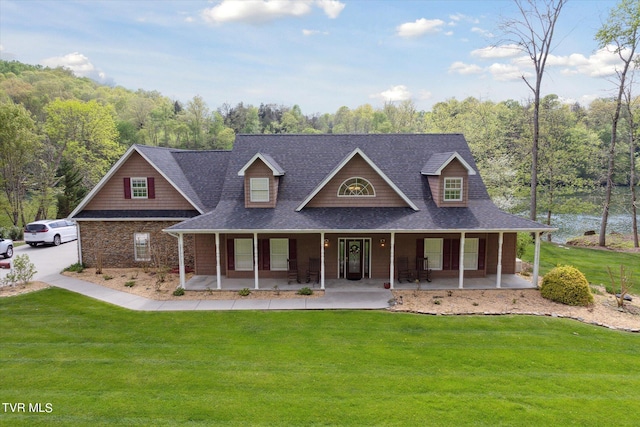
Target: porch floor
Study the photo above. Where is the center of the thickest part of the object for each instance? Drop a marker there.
(509, 281)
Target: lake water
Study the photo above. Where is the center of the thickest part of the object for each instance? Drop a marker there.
(573, 225)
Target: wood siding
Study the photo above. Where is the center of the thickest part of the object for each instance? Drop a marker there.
(385, 196)
(112, 195)
(260, 170)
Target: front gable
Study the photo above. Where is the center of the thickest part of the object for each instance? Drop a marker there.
(357, 182)
(134, 184)
(119, 192)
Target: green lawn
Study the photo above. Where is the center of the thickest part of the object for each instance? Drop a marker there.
(96, 364)
(592, 262)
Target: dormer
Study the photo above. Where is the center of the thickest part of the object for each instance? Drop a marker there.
(448, 175)
(261, 178)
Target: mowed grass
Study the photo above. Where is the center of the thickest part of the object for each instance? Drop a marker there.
(592, 263)
(97, 364)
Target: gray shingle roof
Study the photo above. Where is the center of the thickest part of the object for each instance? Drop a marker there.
(197, 174)
(308, 159)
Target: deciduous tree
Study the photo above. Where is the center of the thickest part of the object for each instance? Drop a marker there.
(620, 34)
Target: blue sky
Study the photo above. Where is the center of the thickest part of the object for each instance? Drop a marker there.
(319, 54)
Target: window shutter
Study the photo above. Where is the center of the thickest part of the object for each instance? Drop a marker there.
(151, 188)
(446, 254)
(231, 263)
(455, 254)
(293, 250)
(419, 252)
(264, 254)
(482, 249)
(127, 188)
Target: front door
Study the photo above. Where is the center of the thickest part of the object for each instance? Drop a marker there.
(354, 259)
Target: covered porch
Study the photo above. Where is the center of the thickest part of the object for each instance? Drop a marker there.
(377, 254)
(209, 283)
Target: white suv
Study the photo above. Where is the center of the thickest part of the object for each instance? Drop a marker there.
(51, 231)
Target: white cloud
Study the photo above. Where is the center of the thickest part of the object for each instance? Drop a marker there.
(507, 72)
(461, 17)
(459, 67)
(259, 11)
(419, 27)
(601, 64)
(308, 33)
(332, 8)
(394, 93)
(504, 51)
(484, 33)
(79, 64)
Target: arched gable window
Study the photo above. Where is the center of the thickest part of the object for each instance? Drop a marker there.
(356, 187)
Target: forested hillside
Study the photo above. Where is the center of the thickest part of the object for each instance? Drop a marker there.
(59, 134)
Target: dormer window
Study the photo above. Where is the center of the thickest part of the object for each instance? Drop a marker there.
(259, 189)
(453, 189)
(358, 187)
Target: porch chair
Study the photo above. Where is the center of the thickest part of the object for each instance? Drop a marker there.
(422, 267)
(313, 273)
(403, 269)
(292, 271)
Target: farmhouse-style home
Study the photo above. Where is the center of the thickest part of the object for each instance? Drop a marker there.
(304, 208)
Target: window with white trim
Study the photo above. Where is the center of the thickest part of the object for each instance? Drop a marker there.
(259, 189)
(356, 186)
(452, 189)
(279, 254)
(142, 246)
(471, 253)
(433, 251)
(243, 254)
(139, 188)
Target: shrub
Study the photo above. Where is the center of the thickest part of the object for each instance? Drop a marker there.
(107, 277)
(130, 284)
(12, 232)
(178, 292)
(22, 272)
(305, 291)
(244, 292)
(78, 267)
(566, 285)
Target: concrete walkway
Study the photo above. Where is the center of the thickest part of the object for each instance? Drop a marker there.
(333, 299)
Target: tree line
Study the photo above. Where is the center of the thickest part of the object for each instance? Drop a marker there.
(59, 134)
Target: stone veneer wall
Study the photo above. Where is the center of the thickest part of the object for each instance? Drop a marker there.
(113, 241)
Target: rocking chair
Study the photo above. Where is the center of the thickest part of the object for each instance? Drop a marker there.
(292, 271)
(422, 267)
(403, 269)
(313, 273)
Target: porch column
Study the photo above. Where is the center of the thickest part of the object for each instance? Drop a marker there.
(391, 259)
(461, 277)
(322, 260)
(536, 260)
(181, 259)
(255, 259)
(218, 274)
(499, 268)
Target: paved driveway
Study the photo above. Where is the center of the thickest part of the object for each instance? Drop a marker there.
(47, 259)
